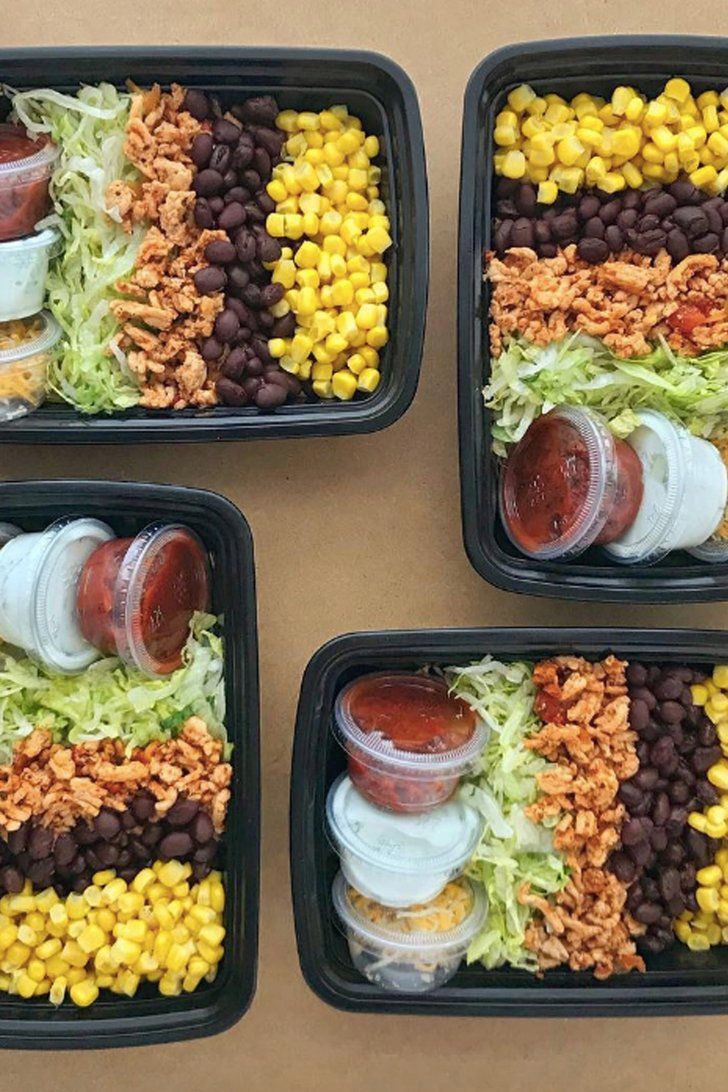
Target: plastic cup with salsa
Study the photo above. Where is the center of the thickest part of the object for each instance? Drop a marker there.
(136, 596)
(408, 740)
(569, 484)
(25, 173)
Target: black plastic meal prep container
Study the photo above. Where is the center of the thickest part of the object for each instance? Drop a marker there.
(374, 88)
(566, 67)
(677, 982)
(149, 1017)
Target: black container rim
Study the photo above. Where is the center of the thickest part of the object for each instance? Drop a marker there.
(318, 687)
(67, 1029)
(688, 581)
(369, 415)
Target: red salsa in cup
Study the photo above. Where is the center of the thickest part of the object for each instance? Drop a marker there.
(25, 169)
(569, 484)
(136, 596)
(408, 740)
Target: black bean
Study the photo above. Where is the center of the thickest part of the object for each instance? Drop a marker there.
(547, 250)
(227, 325)
(12, 880)
(232, 216)
(677, 245)
(636, 674)
(237, 276)
(705, 757)
(245, 245)
(208, 183)
(150, 835)
(641, 853)
(261, 110)
(646, 779)
(627, 218)
(226, 131)
(107, 854)
(262, 162)
(669, 883)
(669, 688)
(211, 349)
(609, 211)
(678, 792)
(220, 252)
(272, 141)
(688, 876)
(216, 205)
(107, 824)
(195, 102)
(651, 242)
(251, 180)
(206, 852)
(643, 693)
(81, 882)
(692, 220)
(220, 159)
(671, 712)
(251, 296)
(632, 832)
(648, 913)
(706, 244)
(40, 842)
(93, 861)
(707, 735)
(270, 396)
(639, 714)
(675, 823)
(588, 207)
(64, 849)
(675, 905)
(285, 326)
(18, 839)
(698, 847)
(139, 850)
(176, 845)
(707, 794)
(522, 233)
(658, 839)
(268, 249)
(661, 809)
(648, 223)
(201, 150)
(182, 812)
(660, 204)
(592, 250)
(594, 228)
(209, 280)
(623, 868)
(128, 821)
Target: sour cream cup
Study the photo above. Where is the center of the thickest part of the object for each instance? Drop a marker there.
(406, 962)
(39, 572)
(23, 271)
(685, 489)
(399, 859)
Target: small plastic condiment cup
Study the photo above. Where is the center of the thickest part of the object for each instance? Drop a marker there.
(38, 576)
(685, 492)
(610, 484)
(24, 367)
(391, 777)
(399, 859)
(136, 596)
(23, 271)
(411, 962)
(24, 186)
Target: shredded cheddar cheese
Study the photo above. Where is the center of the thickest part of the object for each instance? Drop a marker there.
(447, 911)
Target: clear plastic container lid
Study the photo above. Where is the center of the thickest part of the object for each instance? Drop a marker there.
(579, 440)
(647, 541)
(378, 744)
(42, 342)
(381, 934)
(163, 580)
(8, 531)
(63, 551)
(29, 167)
(437, 841)
(48, 239)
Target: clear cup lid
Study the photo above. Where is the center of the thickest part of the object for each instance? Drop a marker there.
(64, 550)
(439, 840)
(43, 155)
(48, 334)
(378, 745)
(162, 581)
(8, 531)
(590, 431)
(663, 466)
(458, 937)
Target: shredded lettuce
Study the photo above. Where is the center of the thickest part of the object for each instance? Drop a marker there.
(108, 700)
(512, 850)
(90, 370)
(528, 380)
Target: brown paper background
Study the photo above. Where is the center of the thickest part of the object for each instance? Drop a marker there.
(356, 533)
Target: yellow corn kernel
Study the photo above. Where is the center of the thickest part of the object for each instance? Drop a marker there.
(626, 142)
(301, 347)
(707, 899)
(514, 164)
(91, 938)
(716, 830)
(720, 676)
(113, 890)
(73, 955)
(569, 150)
(520, 97)
(710, 118)
(48, 948)
(45, 899)
(322, 372)
(505, 136)
(698, 821)
(718, 145)
(369, 380)
(308, 303)
(58, 990)
(713, 933)
(710, 876)
(322, 388)
(170, 985)
(125, 951)
(682, 931)
(84, 993)
(275, 225)
(698, 943)
(162, 944)
(344, 385)
(663, 138)
(699, 694)
(718, 775)
(677, 89)
(366, 316)
(26, 935)
(655, 114)
(76, 974)
(716, 814)
(632, 176)
(287, 120)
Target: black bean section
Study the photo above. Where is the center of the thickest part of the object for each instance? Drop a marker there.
(679, 218)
